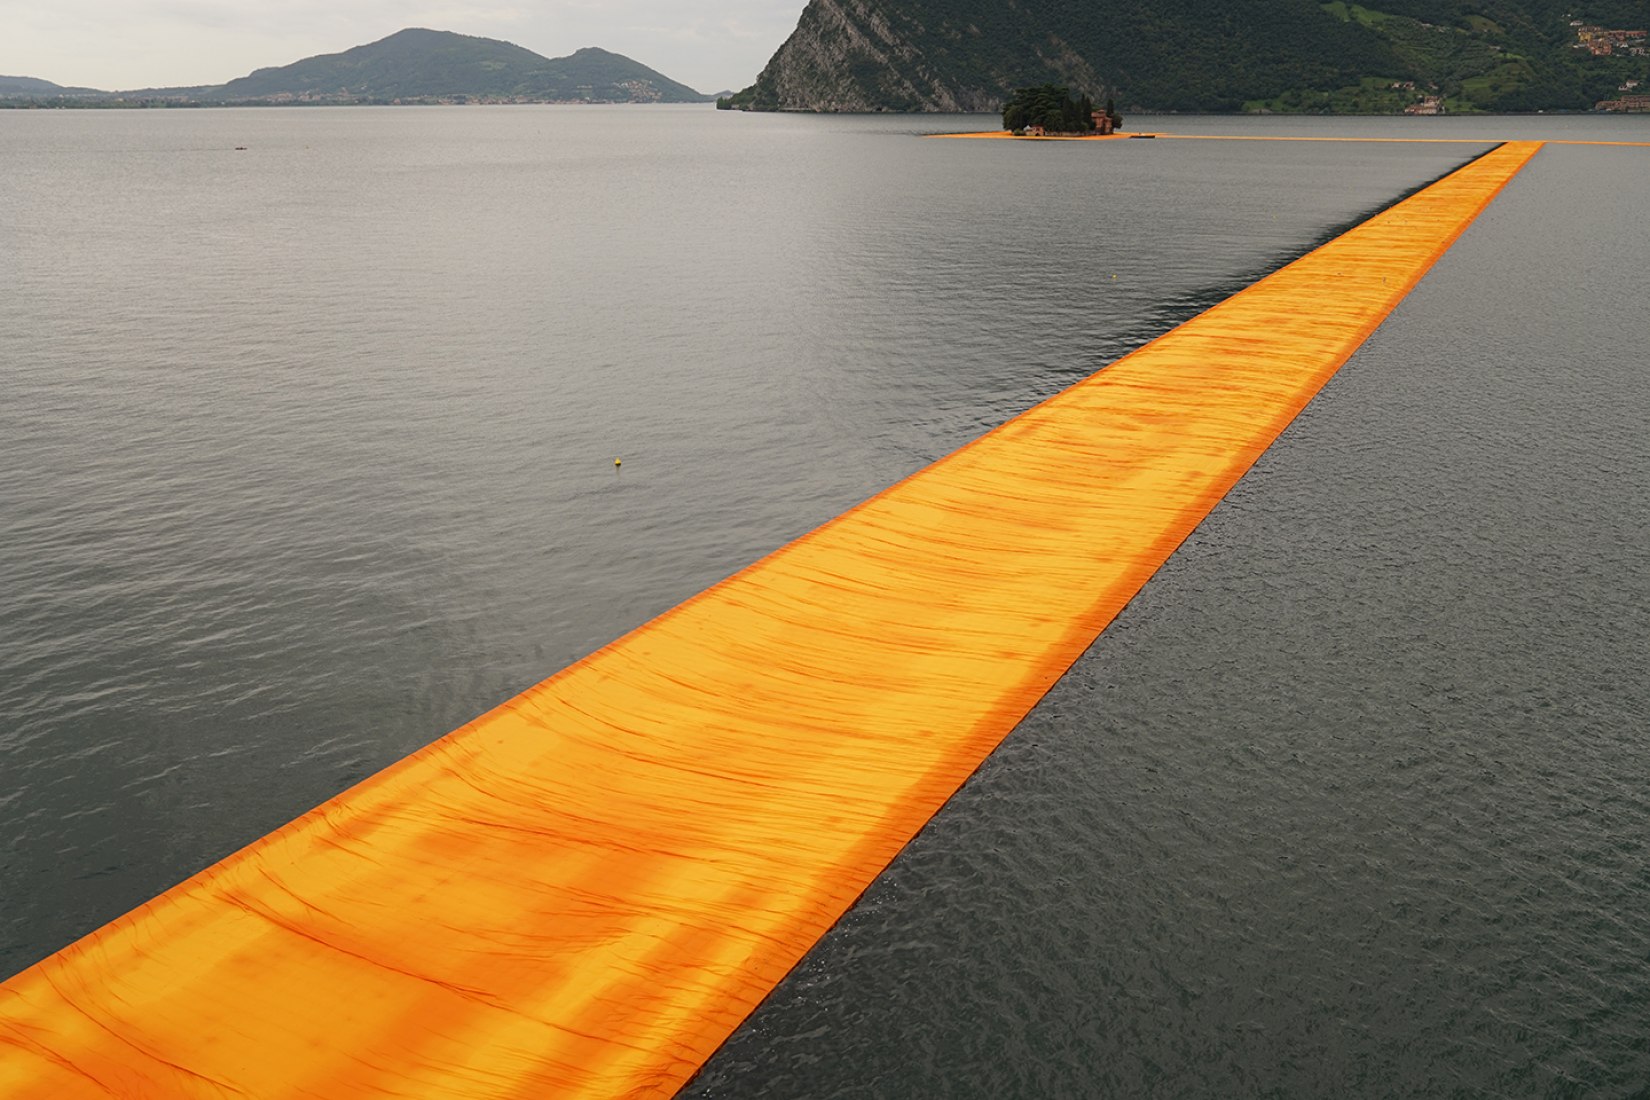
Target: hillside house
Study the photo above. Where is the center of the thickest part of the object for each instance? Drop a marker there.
(1604, 42)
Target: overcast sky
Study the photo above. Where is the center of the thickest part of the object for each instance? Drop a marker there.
(122, 44)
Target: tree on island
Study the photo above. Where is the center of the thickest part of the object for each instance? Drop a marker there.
(1051, 106)
(1054, 108)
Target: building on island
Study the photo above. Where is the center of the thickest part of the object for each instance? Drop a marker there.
(1103, 123)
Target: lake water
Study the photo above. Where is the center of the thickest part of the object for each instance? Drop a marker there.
(308, 458)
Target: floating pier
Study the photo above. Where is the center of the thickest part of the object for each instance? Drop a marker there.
(581, 893)
(1004, 135)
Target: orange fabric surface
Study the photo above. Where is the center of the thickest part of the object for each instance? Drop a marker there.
(1001, 135)
(1332, 137)
(1005, 135)
(583, 891)
(1382, 140)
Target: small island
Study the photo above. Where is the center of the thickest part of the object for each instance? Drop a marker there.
(1050, 110)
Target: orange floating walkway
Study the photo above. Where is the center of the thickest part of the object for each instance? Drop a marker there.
(1330, 137)
(582, 892)
(1004, 135)
(1380, 140)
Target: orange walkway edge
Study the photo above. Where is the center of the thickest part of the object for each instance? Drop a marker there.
(1004, 135)
(584, 891)
(1383, 140)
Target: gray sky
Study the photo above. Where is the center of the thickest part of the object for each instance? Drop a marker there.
(121, 44)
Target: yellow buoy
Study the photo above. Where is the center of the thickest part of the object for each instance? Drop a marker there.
(616, 462)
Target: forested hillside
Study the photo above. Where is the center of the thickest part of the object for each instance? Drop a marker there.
(1504, 55)
(1197, 55)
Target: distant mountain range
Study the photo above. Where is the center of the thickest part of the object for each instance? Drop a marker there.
(29, 86)
(1205, 55)
(415, 66)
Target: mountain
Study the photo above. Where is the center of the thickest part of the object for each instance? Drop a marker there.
(614, 78)
(410, 66)
(32, 87)
(426, 64)
(413, 65)
(1196, 55)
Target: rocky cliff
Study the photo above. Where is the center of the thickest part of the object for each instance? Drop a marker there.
(1196, 55)
(866, 55)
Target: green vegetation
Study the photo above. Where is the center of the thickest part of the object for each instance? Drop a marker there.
(1489, 55)
(970, 54)
(1051, 106)
(1373, 95)
(1198, 55)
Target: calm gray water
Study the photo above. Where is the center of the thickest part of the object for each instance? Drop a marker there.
(1354, 798)
(307, 455)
